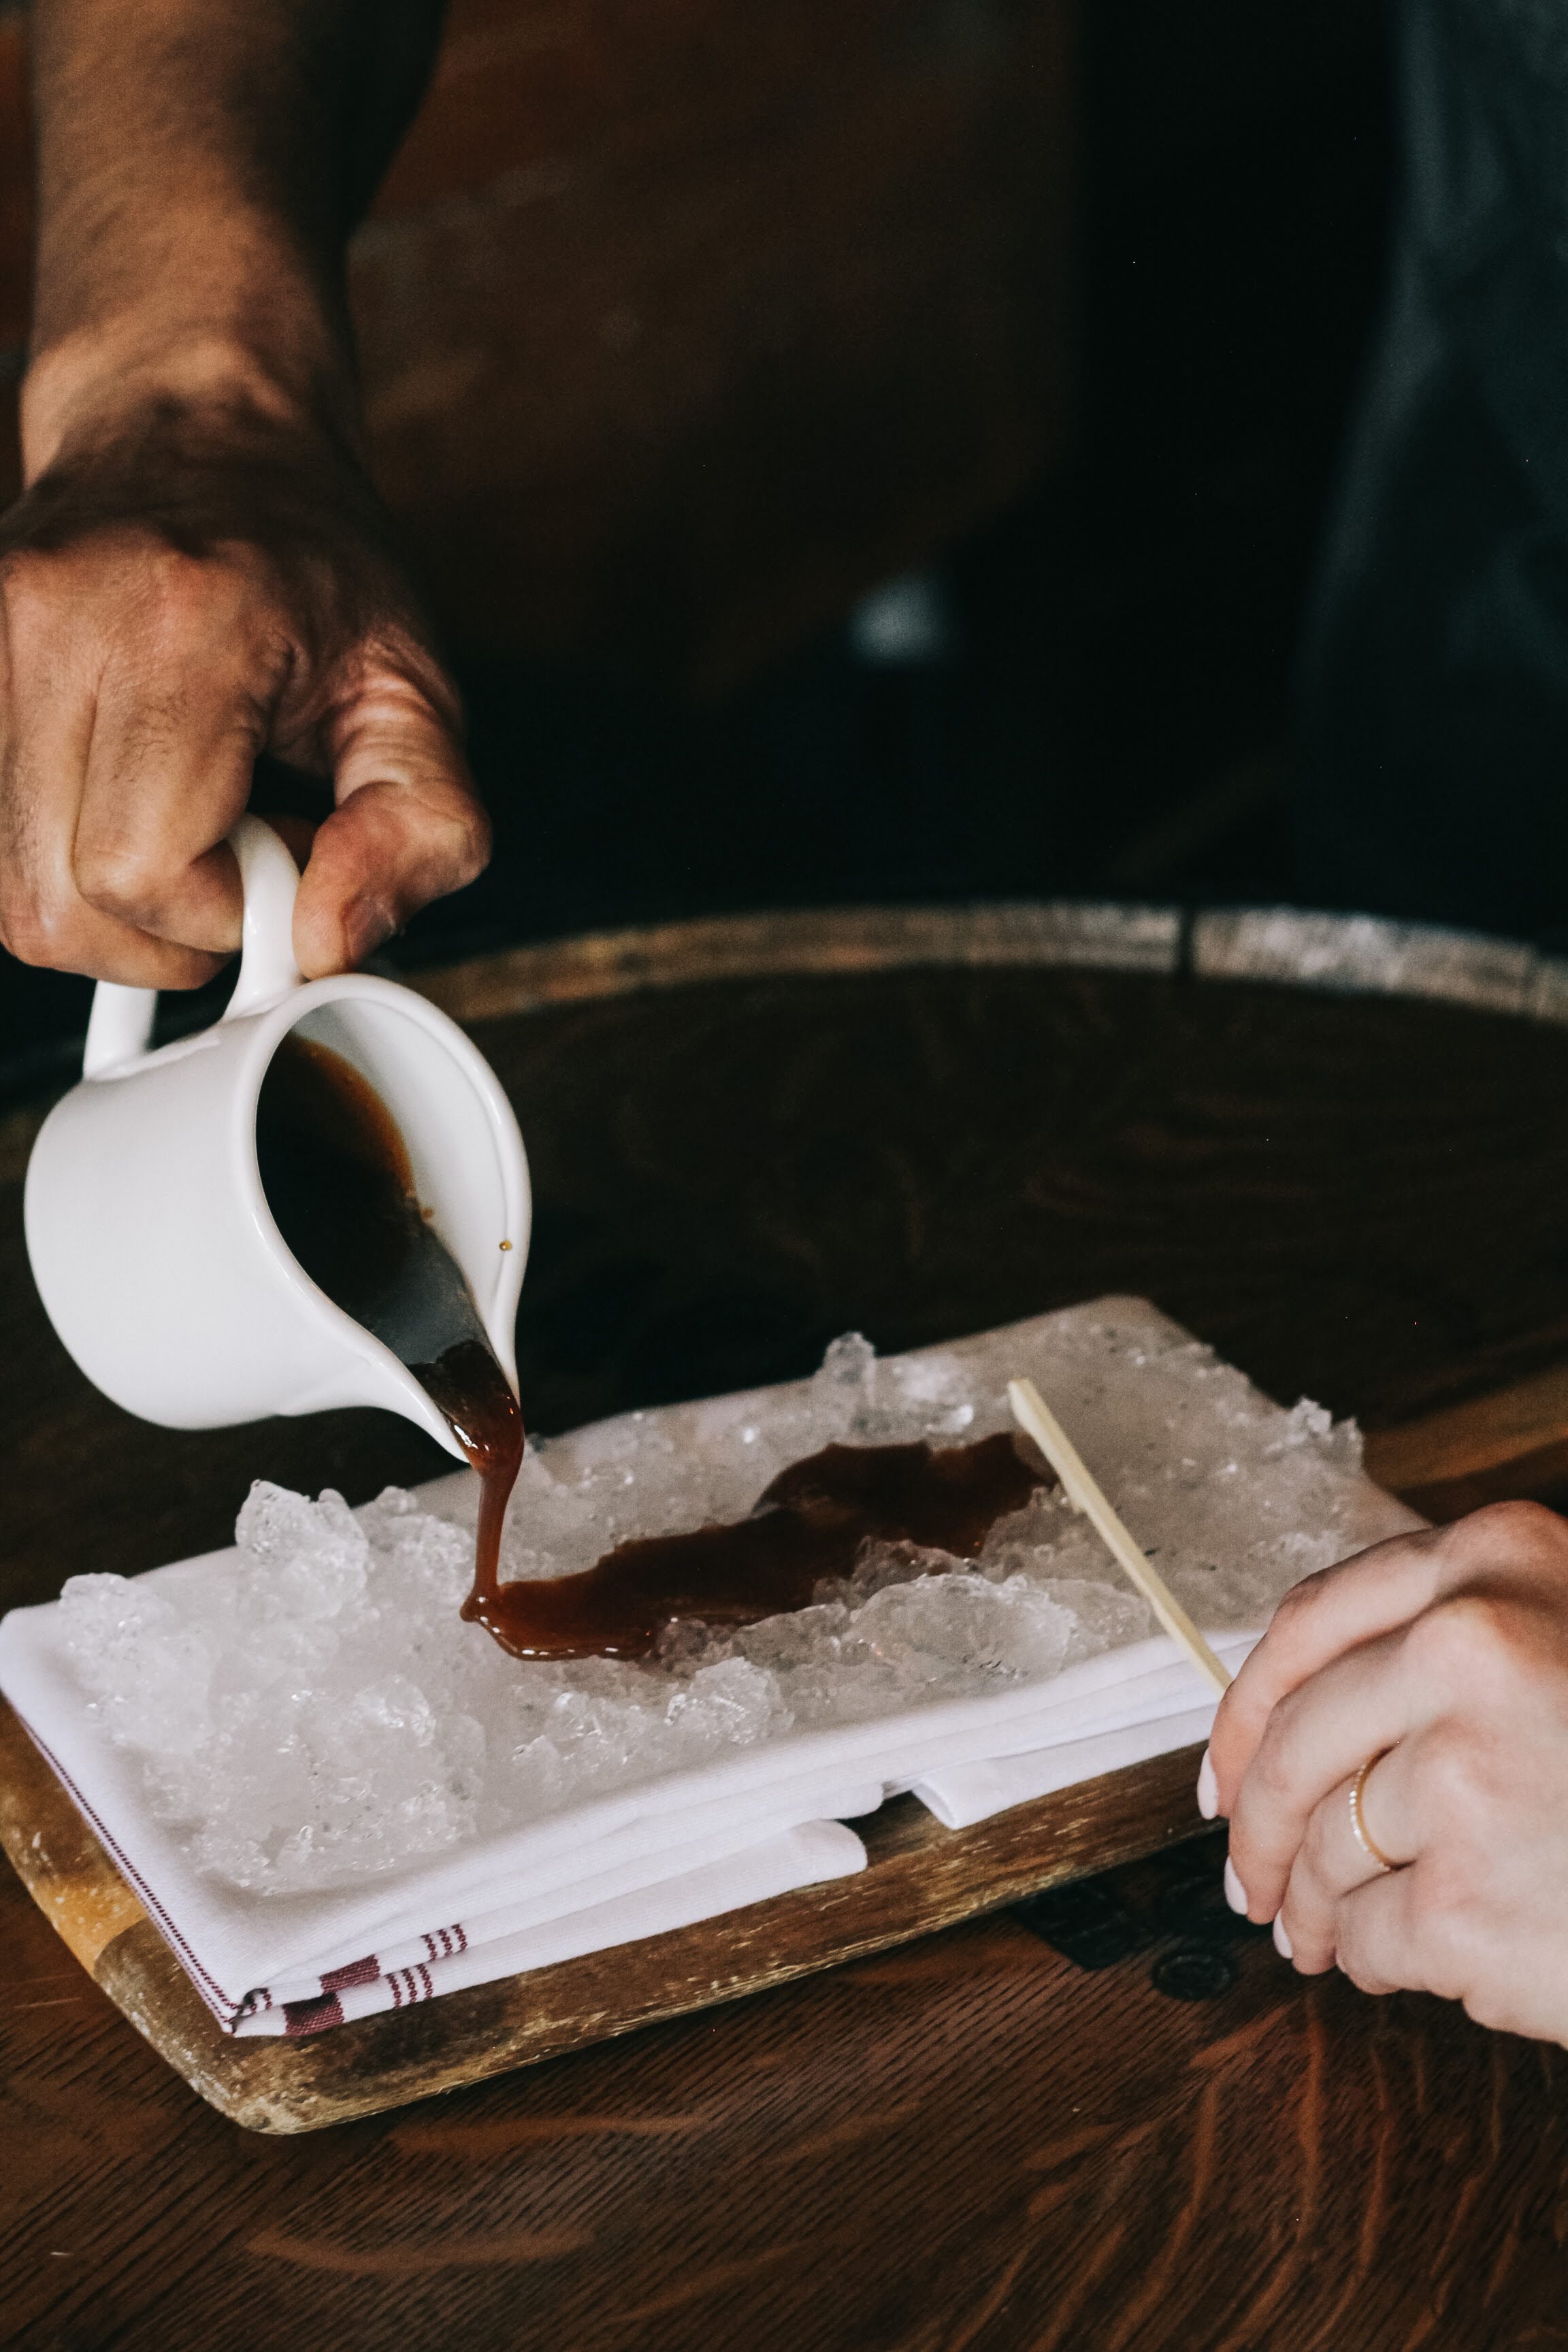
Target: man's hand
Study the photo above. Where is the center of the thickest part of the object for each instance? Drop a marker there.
(1445, 1656)
(199, 570)
(179, 592)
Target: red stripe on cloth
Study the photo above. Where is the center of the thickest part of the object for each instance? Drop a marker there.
(429, 1988)
(312, 2016)
(357, 1972)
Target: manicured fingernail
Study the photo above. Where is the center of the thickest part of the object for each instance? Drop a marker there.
(1235, 1893)
(366, 923)
(1282, 1944)
(1208, 1790)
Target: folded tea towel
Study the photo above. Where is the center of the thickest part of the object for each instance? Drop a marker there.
(1157, 1712)
(798, 1857)
(638, 1892)
(249, 1953)
(648, 1895)
(966, 1793)
(608, 1870)
(763, 1819)
(701, 1820)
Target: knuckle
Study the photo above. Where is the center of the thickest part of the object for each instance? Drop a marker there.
(25, 938)
(1309, 1619)
(1269, 1777)
(125, 878)
(1519, 1518)
(473, 843)
(32, 932)
(1297, 1608)
(454, 840)
(1441, 1930)
(31, 586)
(1283, 1749)
(1317, 1846)
(1498, 2005)
(1361, 1974)
(19, 570)
(1268, 1793)
(1455, 1785)
(176, 596)
(1482, 2004)
(1460, 1640)
(1511, 1530)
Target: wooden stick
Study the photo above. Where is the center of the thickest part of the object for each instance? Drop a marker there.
(1035, 1418)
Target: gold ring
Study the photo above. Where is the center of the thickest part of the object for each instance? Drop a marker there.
(1368, 1845)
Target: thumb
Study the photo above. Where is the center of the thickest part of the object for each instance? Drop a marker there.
(409, 825)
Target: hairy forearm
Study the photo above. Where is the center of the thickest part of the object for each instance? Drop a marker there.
(200, 165)
(199, 571)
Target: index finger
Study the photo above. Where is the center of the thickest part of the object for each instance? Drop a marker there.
(409, 825)
(1370, 1594)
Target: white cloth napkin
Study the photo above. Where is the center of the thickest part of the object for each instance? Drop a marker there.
(754, 1822)
(596, 1922)
(759, 1822)
(1153, 1712)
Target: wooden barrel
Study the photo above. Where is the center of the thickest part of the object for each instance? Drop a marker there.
(1336, 1148)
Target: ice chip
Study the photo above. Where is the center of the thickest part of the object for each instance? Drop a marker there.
(735, 1702)
(396, 1706)
(304, 1559)
(103, 1617)
(1105, 1616)
(274, 1524)
(424, 1558)
(382, 1518)
(848, 1363)
(803, 1637)
(967, 1622)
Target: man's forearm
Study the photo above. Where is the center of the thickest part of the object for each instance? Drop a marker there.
(199, 571)
(200, 165)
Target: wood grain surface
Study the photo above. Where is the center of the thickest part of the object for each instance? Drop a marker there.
(972, 2141)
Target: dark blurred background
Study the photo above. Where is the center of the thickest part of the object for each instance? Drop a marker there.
(856, 452)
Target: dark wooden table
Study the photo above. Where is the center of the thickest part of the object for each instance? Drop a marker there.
(978, 2141)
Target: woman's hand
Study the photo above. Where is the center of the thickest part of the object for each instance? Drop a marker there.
(1445, 1656)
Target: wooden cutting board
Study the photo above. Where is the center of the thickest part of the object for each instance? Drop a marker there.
(920, 1877)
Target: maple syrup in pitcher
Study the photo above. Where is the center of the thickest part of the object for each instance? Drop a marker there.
(338, 1180)
(336, 1173)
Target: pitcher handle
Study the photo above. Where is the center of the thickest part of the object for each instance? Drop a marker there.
(120, 1025)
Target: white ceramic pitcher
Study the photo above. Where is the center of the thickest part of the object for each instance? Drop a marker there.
(152, 1243)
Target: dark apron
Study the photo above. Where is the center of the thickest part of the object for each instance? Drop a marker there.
(1433, 740)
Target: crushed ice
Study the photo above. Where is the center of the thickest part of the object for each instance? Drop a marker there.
(312, 1711)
